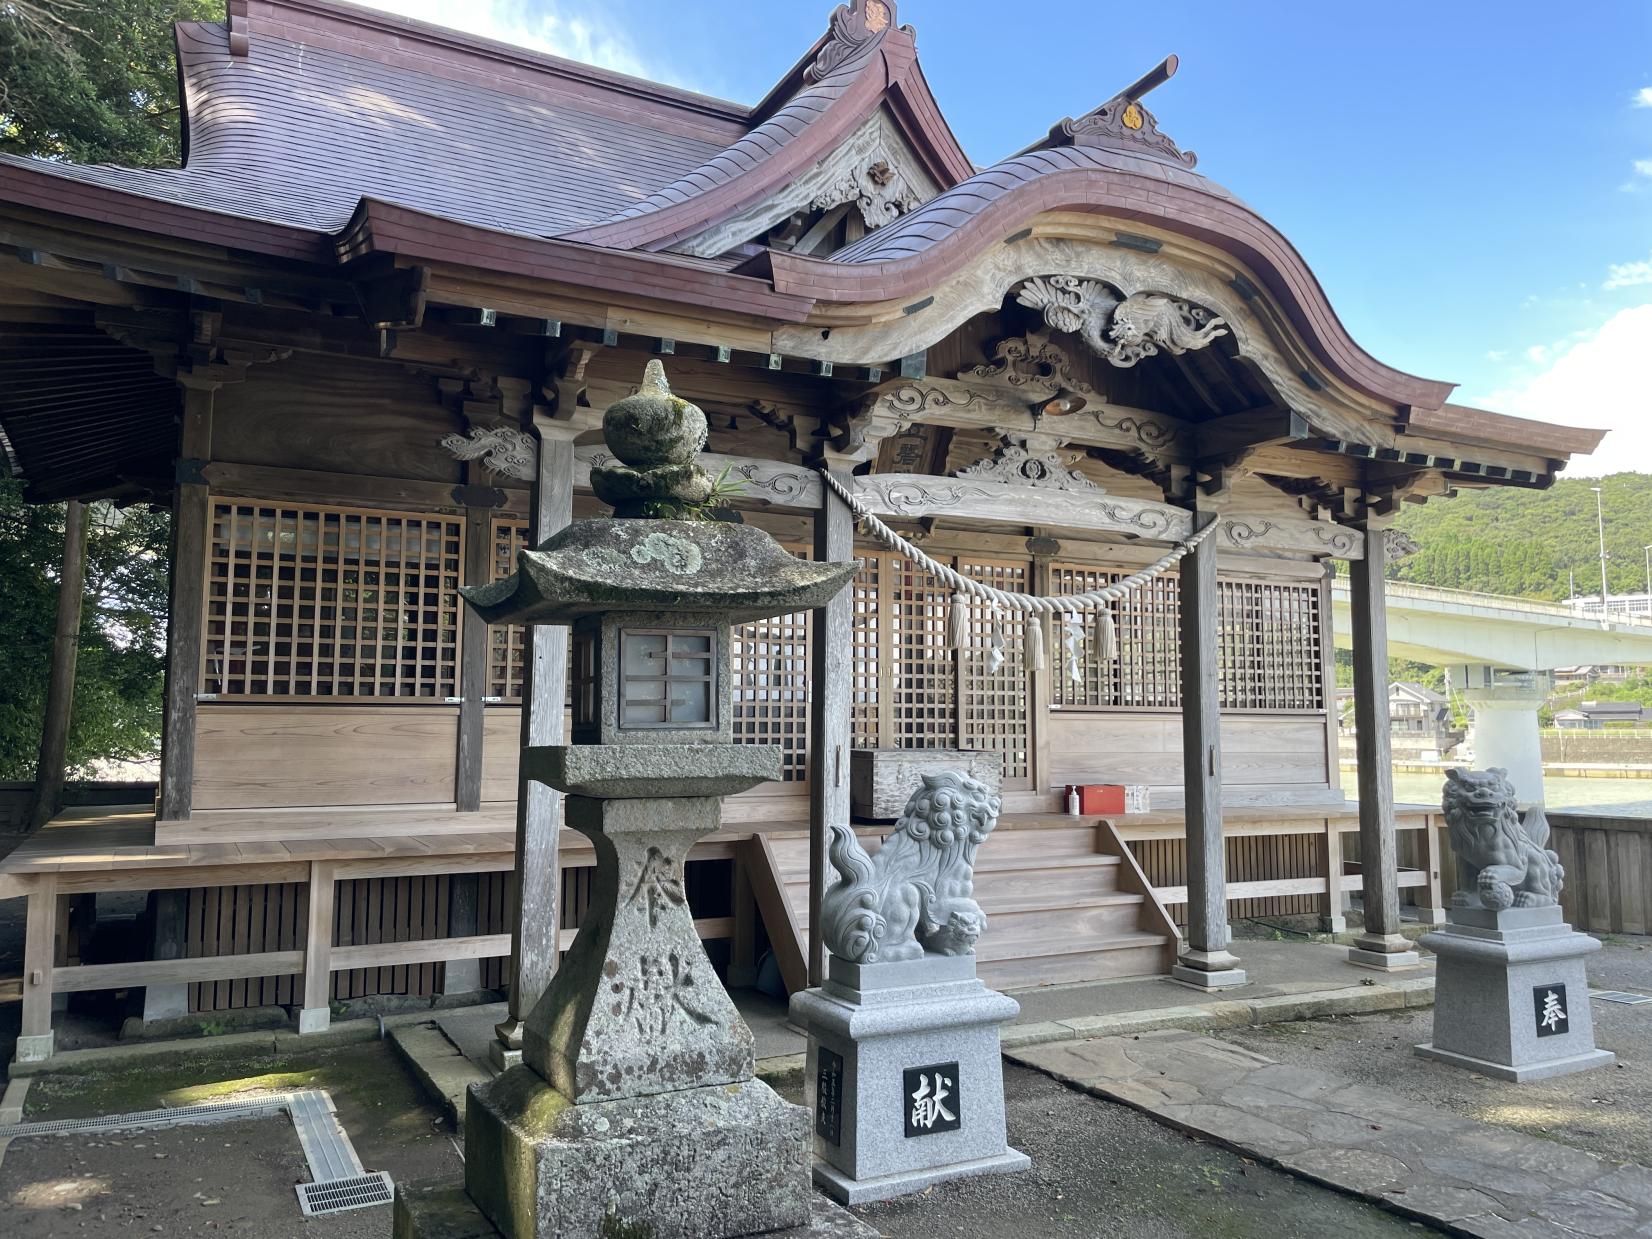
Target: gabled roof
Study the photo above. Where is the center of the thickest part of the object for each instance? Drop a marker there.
(863, 62)
(1417, 692)
(323, 132)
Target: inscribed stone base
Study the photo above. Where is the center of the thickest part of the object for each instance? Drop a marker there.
(904, 1076)
(1511, 996)
(447, 1213)
(702, 1163)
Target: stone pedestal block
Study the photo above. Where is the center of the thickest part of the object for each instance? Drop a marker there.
(904, 1076)
(1511, 998)
(635, 1007)
(718, 1161)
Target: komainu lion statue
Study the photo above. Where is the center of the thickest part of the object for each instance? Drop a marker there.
(915, 895)
(1500, 863)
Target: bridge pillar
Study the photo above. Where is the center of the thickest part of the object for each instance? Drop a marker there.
(1505, 729)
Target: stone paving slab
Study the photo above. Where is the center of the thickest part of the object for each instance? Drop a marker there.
(1467, 1177)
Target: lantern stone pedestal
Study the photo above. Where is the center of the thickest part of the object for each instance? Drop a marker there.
(635, 1110)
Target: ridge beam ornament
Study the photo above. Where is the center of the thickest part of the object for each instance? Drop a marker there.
(1121, 332)
(1031, 459)
(1033, 367)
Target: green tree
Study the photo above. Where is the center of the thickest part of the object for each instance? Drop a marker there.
(93, 81)
(117, 706)
(89, 81)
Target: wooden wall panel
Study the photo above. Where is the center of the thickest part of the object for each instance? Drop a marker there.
(1278, 756)
(257, 756)
(501, 753)
(342, 416)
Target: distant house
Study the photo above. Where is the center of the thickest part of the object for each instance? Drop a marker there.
(1416, 709)
(1593, 715)
(1419, 719)
(1567, 677)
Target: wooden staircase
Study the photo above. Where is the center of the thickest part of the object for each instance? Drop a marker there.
(1065, 901)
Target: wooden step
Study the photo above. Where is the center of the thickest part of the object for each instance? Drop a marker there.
(1140, 955)
(1056, 932)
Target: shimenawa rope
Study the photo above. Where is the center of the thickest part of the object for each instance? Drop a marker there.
(1033, 607)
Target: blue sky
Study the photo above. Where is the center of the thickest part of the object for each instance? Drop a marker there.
(1472, 182)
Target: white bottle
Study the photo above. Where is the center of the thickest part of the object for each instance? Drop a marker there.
(1072, 800)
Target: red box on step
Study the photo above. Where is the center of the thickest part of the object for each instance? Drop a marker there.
(1099, 798)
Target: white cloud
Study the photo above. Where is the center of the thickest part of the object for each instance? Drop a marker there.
(540, 25)
(1601, 379)
(1643, 167)
(1628, 274)
(1643, 97)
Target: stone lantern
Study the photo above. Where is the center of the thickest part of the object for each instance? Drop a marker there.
(635, 1109)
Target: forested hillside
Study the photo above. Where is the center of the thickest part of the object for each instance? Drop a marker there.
(1506, 540)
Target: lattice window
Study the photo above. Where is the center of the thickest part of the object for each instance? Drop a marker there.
(770, 664)
(993, 704)
(1147, 669)
(924, 690)
(866, 696)
(1270, 652)
(331, 602)
(1268, 646)
(505, 641)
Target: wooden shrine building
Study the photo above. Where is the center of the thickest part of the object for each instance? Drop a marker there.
(361, 342)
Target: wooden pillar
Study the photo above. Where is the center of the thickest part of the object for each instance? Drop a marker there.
(1204, 960)
(316, 1014)
(534, 924)
(191, 518)
(473, 665)
(1041, 684)
(1331, 917)
(60, 693)
(34, 1038)
(1381, 945)
(831, 668)
(1432, 847)
(463, 976)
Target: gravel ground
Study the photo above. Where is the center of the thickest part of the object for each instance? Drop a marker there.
(1606, 1112)
(234, 1178)
(1103, 1169)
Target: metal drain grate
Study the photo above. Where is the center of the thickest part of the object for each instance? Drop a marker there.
(212, 1111)
(1619, 995)
(337, 1195)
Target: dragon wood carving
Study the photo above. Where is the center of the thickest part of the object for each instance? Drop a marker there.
(1121, 331)
(916, 895)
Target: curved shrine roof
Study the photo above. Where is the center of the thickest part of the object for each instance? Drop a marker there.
(297, 134)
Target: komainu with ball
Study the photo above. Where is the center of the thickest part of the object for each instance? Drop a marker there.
(1500, 862)
(915, 896)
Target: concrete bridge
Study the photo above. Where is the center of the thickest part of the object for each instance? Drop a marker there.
(1502, 653)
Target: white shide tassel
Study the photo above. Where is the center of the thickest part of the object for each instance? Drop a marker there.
(957, 622)
(1107, 636)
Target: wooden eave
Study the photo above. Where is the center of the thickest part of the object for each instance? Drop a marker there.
(1222, 223)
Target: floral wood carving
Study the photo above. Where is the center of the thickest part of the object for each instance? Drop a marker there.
(1122, 124)
(881, 194)
(1033, 362)
(854, 28)
(503, 449)
(1399, 544)
(1121, 331)
(1036, 460)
